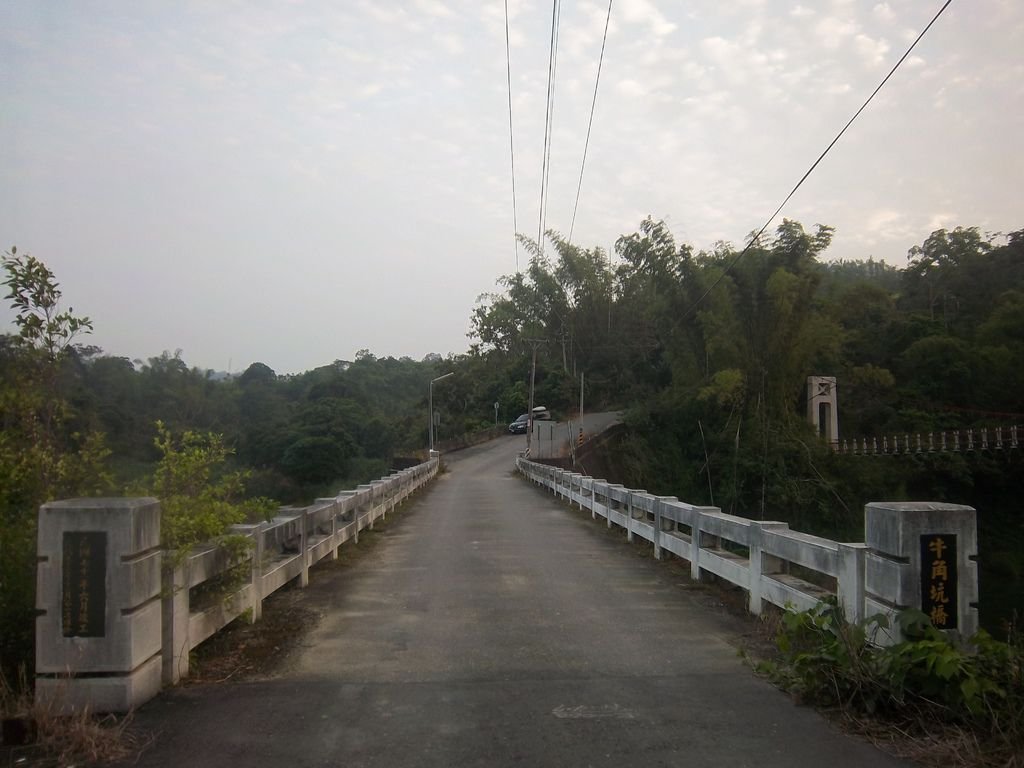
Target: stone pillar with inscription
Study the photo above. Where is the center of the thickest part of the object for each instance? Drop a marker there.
(98, 632)
(923, 555)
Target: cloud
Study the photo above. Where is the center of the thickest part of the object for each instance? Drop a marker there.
(640, 11)
(882, 219)
(833, 31)
(451, 43)
(943, 221)
(883, 12)
(434, 8)
(872, 52)
(632, 88)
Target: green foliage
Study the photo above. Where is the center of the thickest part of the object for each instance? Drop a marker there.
(35, 298)
(929, 677)
(45, 454)
(198, 501)
(709, 355)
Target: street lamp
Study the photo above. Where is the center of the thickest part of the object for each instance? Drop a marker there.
(430, 400)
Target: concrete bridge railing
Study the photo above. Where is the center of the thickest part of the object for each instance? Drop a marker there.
(915, 555)
(119, 616)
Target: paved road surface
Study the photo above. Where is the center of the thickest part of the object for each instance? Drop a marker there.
(492, 627)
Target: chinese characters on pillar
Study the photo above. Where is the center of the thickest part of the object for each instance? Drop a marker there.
(84, 589)
(938, 579)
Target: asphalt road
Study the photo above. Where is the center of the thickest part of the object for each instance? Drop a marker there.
(493, 627)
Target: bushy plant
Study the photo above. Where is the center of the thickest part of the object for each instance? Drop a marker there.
(930, 680)
(43, 455)
(199, 501)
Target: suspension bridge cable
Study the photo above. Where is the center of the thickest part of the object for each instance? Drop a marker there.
(593, 105)
(511, 137)
(814, 165)
(548, 117)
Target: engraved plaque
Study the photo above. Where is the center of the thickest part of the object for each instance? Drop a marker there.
(84, 593)
(939, 579)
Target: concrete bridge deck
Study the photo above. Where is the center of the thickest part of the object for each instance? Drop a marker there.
(492, 627)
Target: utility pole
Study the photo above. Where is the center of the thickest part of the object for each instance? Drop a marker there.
(430, 405)
(581, 400)
(535, 343)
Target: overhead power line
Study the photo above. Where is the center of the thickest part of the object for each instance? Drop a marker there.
(814, 165)
(511, 138)
(548, 120)
(590, 124)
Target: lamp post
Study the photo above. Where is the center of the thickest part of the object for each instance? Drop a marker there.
(430, 400)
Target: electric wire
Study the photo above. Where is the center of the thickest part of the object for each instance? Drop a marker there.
(511, 137)
(551, 131)
(590, 123)
(814, 165)
(548, 119)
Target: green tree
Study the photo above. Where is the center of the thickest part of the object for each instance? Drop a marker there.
(199, 499)
(41, 457)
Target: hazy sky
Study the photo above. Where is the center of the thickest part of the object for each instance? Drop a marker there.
(290, 182)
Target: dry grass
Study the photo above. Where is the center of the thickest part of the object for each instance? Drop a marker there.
(928, 742)
(52, 738)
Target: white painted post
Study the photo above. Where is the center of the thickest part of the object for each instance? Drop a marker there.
(656, 505)
(176, 643)
(254, 532)
(697, 538)
(335, 544)
(304, 547)
(850, 580)
(758, 560)
(695, 534)
(258, 550)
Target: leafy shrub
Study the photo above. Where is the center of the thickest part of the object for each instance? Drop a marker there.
(198, 501)
(930, 678)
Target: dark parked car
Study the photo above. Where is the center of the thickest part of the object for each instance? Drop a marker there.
(518, 427)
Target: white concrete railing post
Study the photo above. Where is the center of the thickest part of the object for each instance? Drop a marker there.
(657, 528)
(759, 560)
(254, 532)
(697, 539)
(258, 553)
(176, 643)
(850, 581)
(304, 548)
(352, 507)
(335, 543)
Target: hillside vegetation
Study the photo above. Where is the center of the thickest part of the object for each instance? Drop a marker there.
(706, 352)
(709, 353)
